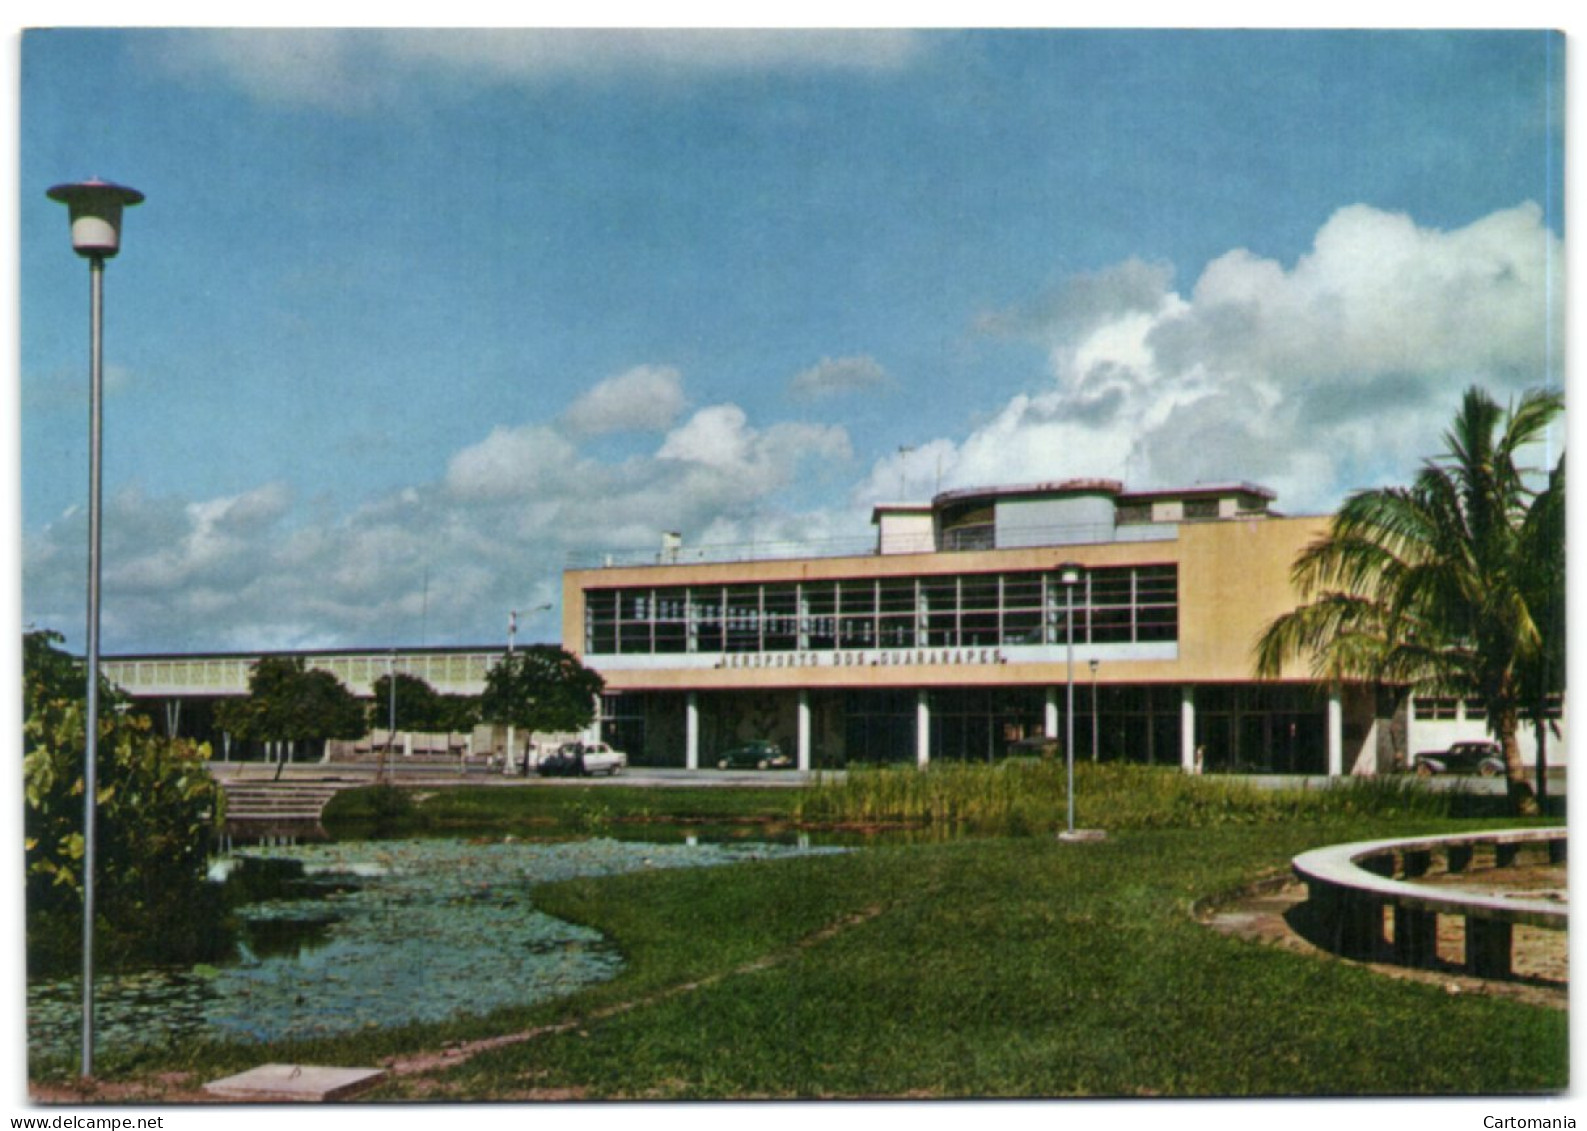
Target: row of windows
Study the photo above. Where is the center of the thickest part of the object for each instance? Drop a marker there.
(355, 671)
(1447, 707)
(1111, 605)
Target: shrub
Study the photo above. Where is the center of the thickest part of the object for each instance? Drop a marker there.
(375, 810)
(154, 816)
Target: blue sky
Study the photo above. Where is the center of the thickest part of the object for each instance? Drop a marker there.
(410, 320)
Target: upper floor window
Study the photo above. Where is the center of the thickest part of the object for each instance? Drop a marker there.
(1112, 605)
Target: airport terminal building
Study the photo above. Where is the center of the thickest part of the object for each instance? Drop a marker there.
(951, 639)
(946, 637)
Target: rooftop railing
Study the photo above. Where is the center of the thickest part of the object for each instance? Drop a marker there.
(1012, 537)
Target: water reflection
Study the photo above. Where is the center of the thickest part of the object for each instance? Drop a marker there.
(268, 834)
(352, 935)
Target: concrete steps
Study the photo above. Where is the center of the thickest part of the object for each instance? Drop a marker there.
(284, 800)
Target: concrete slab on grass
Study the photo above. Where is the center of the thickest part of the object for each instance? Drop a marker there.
(305, 1082)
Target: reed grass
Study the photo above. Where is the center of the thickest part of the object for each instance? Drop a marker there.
(1016, 798)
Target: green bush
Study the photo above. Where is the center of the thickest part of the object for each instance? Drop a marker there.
(155, 812)
(154, 815)
(375, 810)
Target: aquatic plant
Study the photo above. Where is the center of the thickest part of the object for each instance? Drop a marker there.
(396, 932)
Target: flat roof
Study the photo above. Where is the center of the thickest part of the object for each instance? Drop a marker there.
(311, 653)
(898, 508)
(1111, 487)
(1232, 488)
(1057, 487)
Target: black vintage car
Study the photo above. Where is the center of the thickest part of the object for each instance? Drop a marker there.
(1483, 758)
(759, 753)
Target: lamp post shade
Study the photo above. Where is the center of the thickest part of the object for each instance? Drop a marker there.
(95, 208)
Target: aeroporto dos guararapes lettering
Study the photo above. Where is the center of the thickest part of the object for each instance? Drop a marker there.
(907, 657)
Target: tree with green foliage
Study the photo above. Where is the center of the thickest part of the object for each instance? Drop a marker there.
(541, 688)
(1453, 585)
(418, 705)
(154, 813)
(459, 713)
(290, 702)
(1543, 582)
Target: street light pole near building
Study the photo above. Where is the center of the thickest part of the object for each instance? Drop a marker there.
(391, 712)
(1095, 664)
(1070, 575)
(94, 209)
(512, 639)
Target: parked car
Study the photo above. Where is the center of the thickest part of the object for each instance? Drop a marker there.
(565, 761)
(1037, 746)
(576, 759)
(1483, 758)
(757, 753)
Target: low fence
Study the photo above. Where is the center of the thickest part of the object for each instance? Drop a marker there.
(1353, 888)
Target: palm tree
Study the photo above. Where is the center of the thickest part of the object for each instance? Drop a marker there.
(1451, 586)
(1543, 678)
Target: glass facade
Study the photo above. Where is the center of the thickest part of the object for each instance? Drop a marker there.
(1124, 604)
(1262, 729)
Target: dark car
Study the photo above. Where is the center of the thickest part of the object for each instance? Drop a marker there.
(575, 759)
(1483, 758)
(1038, 746)
(758, 754)
(566, 762)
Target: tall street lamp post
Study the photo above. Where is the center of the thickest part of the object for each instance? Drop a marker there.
(94, 209)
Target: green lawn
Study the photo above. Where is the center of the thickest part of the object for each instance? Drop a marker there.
(1006, 968)
(1014, 966)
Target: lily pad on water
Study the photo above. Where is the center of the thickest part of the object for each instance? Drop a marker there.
(402, 931)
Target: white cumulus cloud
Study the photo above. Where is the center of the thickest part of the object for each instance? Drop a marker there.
(646, 398)
(1338, 371)
(512, 462)
(364, 69)
(834, 376)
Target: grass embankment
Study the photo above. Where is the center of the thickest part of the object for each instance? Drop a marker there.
(558, 811)
(1013, 966)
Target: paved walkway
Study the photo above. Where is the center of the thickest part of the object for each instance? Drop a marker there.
(438, 774)
(1273, 912)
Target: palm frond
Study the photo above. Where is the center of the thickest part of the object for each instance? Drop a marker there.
(1454, 585)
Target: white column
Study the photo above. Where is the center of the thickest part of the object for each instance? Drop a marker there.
(922, 728)
(1050, 721)
(691, 731)
(1187, 729)
(1336, 732)
(804, 729)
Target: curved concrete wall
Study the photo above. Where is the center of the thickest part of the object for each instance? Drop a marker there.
(1063, 521)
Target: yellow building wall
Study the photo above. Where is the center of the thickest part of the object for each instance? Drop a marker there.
(1233, 580)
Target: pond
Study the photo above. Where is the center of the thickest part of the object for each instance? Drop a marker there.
(378, 933)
